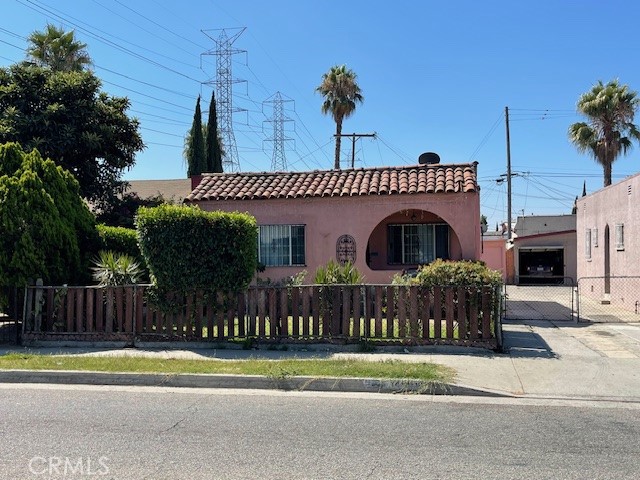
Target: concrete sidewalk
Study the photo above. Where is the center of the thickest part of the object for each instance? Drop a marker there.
(543, 359)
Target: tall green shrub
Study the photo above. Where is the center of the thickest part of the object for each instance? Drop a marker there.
(187, 249)
(47, 231)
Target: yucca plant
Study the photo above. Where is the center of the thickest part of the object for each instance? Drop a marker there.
(336, 274)
(114, 269)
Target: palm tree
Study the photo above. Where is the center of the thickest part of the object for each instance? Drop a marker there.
(610, 110)
(341, 94)
(58, 50)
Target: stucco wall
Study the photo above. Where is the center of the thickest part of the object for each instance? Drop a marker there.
(327, 218)
(615, 204)
(494, 254)
(619, 203)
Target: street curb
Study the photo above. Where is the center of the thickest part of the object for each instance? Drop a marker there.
(260, 382)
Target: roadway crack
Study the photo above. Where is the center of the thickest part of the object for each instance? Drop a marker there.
(191, 410)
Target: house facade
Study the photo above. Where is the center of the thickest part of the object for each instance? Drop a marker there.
(608, 224)
(385, 220)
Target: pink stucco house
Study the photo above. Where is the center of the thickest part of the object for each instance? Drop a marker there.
(608, 225)
(385, 219)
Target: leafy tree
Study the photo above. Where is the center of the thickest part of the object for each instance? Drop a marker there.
(341, 94)
(195, 150)
(47, 229)
(123, 209)
(58, 50)
(67, 118)
(214, 151)
(609, 132)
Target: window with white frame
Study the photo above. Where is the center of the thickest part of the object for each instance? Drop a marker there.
(587, 244)
(416, 244)
(594, 237)
(281, 245)
(619, 236)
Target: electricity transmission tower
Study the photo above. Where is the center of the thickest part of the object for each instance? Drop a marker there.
(223, 85)
(278, 160)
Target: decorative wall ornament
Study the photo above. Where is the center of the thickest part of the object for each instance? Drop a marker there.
(346, 249)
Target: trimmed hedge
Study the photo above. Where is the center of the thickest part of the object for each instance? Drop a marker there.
(187, 249)
(120, 240)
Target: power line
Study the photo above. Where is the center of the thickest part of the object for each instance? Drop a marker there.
(487, 136)
(168, 30)
(40, 9)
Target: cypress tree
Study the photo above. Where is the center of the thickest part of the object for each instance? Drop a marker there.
(214, 152)
(195, 151)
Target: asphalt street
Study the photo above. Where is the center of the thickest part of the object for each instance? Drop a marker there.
(162, 433)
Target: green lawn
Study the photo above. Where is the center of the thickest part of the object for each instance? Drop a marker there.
(277, 368)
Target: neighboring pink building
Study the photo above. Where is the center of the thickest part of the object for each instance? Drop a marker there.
(608, 225)
(385, 219)
(493, 252)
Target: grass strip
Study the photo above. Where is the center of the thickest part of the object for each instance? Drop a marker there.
(278, 368)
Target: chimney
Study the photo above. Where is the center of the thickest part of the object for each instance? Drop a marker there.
(195, 181)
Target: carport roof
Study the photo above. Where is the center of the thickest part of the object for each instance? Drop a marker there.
(544, 224)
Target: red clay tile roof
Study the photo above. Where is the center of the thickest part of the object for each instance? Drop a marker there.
(353, 182)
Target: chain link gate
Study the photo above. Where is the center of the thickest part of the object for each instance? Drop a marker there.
(541, 302)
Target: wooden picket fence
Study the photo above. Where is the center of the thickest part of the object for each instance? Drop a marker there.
(313, 313)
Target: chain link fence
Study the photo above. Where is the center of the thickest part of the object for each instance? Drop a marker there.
(541, 302)
(608, 299)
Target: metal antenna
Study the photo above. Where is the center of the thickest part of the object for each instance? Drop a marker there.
(278, 160)
(223, 84)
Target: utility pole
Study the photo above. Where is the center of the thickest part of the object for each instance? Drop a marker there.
(506, 118)
(353, 143)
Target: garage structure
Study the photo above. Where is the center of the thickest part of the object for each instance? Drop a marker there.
(545, 250)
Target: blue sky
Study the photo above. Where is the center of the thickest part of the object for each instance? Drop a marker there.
(436, 76)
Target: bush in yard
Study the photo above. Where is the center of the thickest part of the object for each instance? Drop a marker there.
(47, 229)
(459, 273)
(187, 249)
(114, 269)
(119, 239)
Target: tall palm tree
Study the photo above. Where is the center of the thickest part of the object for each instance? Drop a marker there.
(58, 50)
(341, 94)
(610, 130)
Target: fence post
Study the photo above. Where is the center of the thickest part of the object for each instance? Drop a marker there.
(24, 307)
(38, 305)
(15, 315)
(28, 304)
(578, 301)
(498, 316)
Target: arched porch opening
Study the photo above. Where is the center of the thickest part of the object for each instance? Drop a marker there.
(409, 238)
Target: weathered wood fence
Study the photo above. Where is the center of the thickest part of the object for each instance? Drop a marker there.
(315, 313)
